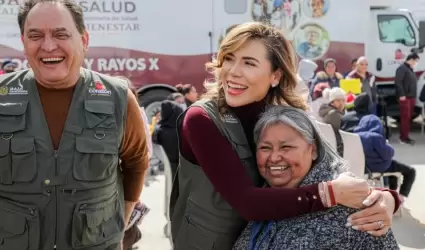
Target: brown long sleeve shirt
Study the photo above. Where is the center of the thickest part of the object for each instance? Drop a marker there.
(133, 150)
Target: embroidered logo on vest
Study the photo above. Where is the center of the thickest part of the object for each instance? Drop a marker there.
(98, 88)
(13, 90)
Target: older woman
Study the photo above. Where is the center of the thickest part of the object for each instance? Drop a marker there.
(291, 153)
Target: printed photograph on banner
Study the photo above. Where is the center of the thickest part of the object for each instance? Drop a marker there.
(282, 14)
(311, 41)
(315, 8)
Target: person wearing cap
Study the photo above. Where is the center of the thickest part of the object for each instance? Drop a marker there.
(328, 75)
(8, 66)
(310, 48)
(332, 112)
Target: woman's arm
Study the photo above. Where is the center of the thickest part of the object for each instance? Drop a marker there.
(203, 143)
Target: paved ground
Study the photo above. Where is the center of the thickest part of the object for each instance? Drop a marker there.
(409, 229)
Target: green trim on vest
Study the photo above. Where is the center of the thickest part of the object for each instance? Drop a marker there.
(200, 217)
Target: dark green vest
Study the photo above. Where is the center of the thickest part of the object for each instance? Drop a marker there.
(71, 197)
(200, 217)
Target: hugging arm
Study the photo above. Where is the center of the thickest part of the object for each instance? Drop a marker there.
(227, 174)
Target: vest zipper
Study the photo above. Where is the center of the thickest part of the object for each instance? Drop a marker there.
(55, 155)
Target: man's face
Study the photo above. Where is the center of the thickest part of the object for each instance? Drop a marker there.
(312, 37)
(362, 66)
(317, 8)
(52, 44)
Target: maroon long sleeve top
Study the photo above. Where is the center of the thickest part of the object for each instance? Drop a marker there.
(203, 144)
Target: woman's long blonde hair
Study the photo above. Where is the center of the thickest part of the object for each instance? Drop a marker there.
(281, 55)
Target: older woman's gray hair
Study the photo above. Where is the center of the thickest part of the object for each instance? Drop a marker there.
(301, 122)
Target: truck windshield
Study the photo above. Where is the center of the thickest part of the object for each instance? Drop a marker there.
(396, 29)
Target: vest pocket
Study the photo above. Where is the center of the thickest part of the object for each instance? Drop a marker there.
(193, 237)
(97, 222)
(19, 227)
(100, 114)
(5, 162)
(12, 117)
(96, 156)
(24, 162)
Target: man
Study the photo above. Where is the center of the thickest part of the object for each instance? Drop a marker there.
(63, 132)
(367, 80)
(311, 47)
(406, 85)
(317, 8)
(8, 66)
(353, 67)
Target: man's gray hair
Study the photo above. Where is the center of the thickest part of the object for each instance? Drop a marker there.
(301, 122)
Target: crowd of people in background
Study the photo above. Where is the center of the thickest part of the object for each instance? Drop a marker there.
(358, 114)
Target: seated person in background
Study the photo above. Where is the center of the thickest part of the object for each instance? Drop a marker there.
(379, 154)
(332, 112)
(291, 153)
(329, 75)
(362, 107)
(318, 99)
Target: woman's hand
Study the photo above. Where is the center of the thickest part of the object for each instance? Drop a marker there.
(376, 219)
(350, 191)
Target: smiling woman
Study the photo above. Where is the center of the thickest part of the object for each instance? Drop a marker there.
(218, 186)
(292, 153)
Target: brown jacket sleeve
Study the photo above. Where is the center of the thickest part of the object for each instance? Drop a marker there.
(134, 151)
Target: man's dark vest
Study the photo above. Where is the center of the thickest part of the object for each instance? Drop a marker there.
(200, 217)
(71, 197)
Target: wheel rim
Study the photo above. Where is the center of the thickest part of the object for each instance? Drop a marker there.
(151, 108)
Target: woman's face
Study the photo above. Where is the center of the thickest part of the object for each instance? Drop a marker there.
(284, 157)
(192, 95)
(330, 68)
(246, 74)
(339, 104)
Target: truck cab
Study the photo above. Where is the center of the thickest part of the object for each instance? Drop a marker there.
(393, 34)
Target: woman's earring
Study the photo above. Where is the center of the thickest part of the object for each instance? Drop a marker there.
(275, 84)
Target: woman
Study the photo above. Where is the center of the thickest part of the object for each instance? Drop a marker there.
(329, 75)
(218, 187)
(292, 153)
(333, 110)
(189, 93)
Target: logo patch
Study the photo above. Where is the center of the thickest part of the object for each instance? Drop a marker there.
(98, 88)
(4, 90)
(13, 90)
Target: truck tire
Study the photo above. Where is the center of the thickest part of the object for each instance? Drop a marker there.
(151, 101)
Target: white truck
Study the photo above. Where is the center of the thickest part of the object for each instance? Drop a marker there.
(161, 43)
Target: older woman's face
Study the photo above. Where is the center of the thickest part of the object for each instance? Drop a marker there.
(284, 157)
(246, 74)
